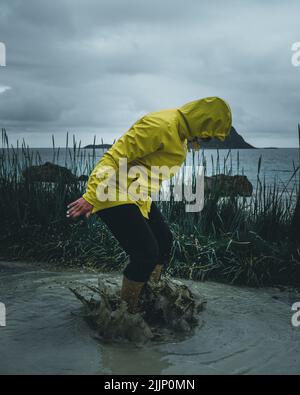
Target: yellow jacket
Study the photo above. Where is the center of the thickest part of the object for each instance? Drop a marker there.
(159, 139)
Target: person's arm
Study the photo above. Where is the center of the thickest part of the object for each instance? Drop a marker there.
(143, 138)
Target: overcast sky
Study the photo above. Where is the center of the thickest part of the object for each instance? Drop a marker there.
(94, 66)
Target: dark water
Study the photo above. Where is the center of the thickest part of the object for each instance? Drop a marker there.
(277, 164)
(245, 331)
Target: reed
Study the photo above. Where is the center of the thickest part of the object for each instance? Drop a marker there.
(236, 240)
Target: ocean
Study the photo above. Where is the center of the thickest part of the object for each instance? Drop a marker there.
(277, 165)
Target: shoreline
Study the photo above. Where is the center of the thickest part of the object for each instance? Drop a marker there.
(67, 268)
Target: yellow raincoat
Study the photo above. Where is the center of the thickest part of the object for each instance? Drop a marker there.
(159, 139)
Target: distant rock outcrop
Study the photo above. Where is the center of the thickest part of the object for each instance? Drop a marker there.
(234, 141)
(224, 185)
(98, 146)
(49, 172)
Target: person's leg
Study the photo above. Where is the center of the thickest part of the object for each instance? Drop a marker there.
(164, 238)
(132, 231)
(135, 236)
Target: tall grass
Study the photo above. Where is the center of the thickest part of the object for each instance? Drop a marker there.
(234, 239)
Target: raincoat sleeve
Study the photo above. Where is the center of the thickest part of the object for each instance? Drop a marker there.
(143, 138)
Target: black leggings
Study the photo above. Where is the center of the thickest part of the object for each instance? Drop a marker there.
(148, 242)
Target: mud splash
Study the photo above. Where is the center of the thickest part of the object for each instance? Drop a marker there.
(169, 309)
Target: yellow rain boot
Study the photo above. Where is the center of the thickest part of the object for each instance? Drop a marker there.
(156, 274)
(130, 293)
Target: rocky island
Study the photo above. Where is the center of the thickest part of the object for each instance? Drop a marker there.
(234, 141)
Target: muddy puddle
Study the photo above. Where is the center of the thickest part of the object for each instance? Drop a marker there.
(242, 331)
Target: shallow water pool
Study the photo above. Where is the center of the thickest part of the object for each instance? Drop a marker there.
(244, 331)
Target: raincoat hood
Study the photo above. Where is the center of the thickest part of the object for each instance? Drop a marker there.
(208, 117)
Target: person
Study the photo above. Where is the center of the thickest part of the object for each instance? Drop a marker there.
(157, 139)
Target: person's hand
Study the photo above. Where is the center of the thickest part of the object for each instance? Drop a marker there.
(78, 208)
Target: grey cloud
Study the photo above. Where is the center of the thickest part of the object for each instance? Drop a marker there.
(27, 106)
(94, 66)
